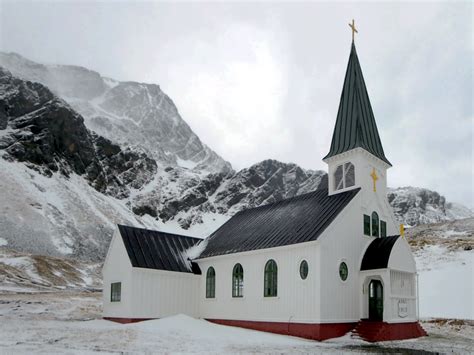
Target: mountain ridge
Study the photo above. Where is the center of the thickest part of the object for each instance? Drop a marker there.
(70, 199)
(127, 113)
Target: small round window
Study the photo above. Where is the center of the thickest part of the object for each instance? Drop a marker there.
(304, 269)
(343, 271)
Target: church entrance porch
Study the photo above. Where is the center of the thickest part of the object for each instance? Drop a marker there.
(375, 300)
(387, 310)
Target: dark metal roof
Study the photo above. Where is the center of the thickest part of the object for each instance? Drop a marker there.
(355, 123)
(158, 250)
(377, 254)
(295, 220)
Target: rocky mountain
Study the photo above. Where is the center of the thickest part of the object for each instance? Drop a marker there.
(41, 139)
(414, 205)
(127, 113)
(44, 132)
(262, 183)
(71, 168)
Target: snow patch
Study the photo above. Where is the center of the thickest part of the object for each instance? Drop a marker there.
(111, 83)
(188, 164)
(446, 290)
(196, 250)
(3, 242)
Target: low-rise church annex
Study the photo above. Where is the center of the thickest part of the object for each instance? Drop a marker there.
(317, 265)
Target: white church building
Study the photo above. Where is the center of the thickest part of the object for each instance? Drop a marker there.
(316, 265)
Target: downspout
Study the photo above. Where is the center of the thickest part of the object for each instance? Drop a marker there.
(289, 321)
(417, 299)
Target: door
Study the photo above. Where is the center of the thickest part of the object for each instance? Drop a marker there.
(375, 300)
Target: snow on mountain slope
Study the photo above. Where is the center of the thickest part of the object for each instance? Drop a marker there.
(128, 113)
(57, 215)
(415, 205)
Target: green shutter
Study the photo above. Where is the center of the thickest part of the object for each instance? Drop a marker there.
(366, 225)
(383, 229)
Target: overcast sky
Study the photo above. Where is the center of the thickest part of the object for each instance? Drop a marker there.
(263, 80)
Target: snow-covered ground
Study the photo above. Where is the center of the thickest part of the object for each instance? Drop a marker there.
(446, 284)
(69, 323)
(44, 309)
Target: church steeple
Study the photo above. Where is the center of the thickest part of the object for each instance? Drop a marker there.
(355, 123)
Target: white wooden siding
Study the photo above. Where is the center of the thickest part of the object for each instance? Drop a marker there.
(297, 300)
(117, 268)
(158, 293)
(343, 241)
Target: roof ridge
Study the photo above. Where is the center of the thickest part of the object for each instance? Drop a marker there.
(294, 198)
(288, 199)
(160, 232)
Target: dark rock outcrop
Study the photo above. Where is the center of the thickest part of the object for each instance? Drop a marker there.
(49, 136)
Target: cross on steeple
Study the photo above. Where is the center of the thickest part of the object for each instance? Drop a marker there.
(354, 30)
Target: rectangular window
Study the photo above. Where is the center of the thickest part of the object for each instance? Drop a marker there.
(366, 225)
(383, 229)
(115, 291)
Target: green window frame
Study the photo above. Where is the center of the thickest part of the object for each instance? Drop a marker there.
(211, 283)
(366, 225)
(115, 291)
(238, 281)
(383, 229)
(270, 287)
(304, 270)
(375, 224)
(343, 271)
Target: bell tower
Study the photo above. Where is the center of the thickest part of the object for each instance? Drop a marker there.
(356, 158)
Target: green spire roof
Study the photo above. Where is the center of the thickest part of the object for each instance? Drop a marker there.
(355, 123)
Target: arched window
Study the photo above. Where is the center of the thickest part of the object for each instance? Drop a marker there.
(271, 279)
(211, 283)
(375, 224)
(344, 176)
(238, 281)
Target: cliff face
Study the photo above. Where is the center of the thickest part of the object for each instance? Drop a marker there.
(46, 134)
(127, 113)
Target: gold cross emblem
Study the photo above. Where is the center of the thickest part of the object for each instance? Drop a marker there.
(374, 178)
(354, 30)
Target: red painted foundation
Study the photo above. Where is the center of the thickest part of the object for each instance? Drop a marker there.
(381, 331)
(368, 330)
(303, 330)
(126, 320)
